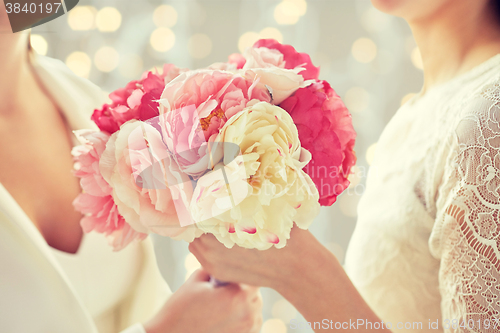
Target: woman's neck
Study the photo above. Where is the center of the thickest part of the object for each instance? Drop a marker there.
(14, 66)
(451, 46)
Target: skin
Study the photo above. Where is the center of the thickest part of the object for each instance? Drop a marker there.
(454, 36)
(304, 272)
(197, 307)
(38, 176)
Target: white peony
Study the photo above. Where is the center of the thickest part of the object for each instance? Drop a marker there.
(253, 198)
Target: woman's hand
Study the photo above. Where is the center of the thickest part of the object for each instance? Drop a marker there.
(306, 273)
(198, 306)
(271, 268)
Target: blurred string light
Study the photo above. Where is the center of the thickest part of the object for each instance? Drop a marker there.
(407, 98)
(283, 310)
(82, 18)
(199, 46)
(39, 44)
(249, 38)
(106, 59)
(356, 99)
(370, 153)
(162, 39)
(130, 66)
(80, 63)
(273, 325)
(416, 58)
(165, 16)
(272, 33)
(288, 12)
(364, 50)
(108, 19)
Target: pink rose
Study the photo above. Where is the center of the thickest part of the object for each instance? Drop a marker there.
(325, 129)
(291, 57)
(138, 100)
(96, 203)
(148, 188)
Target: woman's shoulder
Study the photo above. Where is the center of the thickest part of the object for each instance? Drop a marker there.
(478, 112)
(472, 129)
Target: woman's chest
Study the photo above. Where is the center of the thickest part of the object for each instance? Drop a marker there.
(404, 180)
(36, 170)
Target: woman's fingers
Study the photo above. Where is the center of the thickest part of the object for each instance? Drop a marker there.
(209, 241)
(194, 248)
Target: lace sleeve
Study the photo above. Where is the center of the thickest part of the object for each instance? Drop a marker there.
(468, 223)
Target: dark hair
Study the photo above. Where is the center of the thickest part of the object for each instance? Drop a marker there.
(496, 7)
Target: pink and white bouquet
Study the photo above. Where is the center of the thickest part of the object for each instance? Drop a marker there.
(242, 150)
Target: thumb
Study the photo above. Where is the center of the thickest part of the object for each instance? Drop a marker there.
(199, 275)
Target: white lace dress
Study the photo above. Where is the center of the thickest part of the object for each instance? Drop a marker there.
(426, 246)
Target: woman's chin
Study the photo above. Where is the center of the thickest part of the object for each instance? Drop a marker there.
(412, 10)
(394, 7)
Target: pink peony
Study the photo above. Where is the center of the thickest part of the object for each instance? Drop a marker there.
(183, 134)
(217, 96)
(262, 57)
(325, 129)
(148, 188)
(237, 59)
(291, 57)
(87, 161)
(280, 82)
(138, 100)
(101, 215)
(96, 203)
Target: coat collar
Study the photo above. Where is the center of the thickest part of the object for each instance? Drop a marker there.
(76, 97)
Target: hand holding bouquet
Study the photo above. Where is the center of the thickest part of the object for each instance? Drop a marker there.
(241, 150)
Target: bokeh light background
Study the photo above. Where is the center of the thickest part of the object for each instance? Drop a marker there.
(369, 58)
